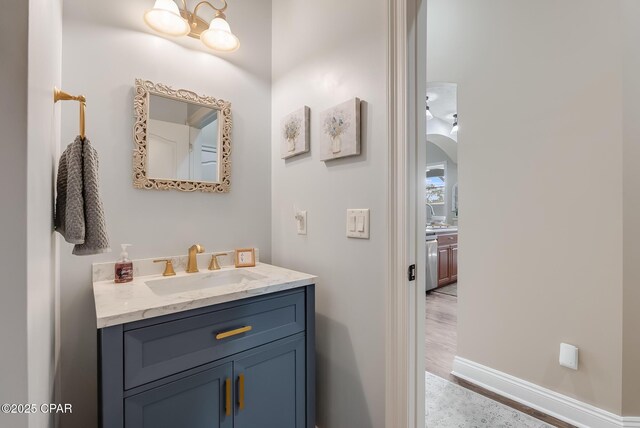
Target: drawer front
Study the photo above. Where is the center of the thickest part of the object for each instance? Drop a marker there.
(448, 239)
(164, 349)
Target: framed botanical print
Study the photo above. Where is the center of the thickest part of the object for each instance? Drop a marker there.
(245, 257)
(295, 133)
(340, 136)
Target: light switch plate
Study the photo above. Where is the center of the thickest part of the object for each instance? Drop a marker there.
(301, 222)
(358, 223)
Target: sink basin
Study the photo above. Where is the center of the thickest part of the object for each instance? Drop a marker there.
(166, 286)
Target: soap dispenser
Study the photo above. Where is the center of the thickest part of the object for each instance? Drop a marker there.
(124, 267)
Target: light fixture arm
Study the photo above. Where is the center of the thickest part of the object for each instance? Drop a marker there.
(219, 11)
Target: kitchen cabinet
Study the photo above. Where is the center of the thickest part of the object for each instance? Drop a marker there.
(243, 364)
(444, 276)
(447, 259)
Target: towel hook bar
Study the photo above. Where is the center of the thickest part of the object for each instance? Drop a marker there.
(59, 95)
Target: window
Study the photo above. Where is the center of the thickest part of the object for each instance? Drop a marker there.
(435, 185)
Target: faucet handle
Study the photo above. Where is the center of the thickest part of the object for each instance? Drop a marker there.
(168, 267)
(213, 264)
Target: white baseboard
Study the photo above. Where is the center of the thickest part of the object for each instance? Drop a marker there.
(559, 406)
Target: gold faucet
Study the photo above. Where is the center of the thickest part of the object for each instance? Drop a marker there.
(168, 267)
(213, 264)
(192, 264)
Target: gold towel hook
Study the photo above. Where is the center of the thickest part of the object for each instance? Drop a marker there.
(59, 95)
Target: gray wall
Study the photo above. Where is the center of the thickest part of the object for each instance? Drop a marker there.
(528, 278)
(320, 68)
(435, 155)
(631, 209)
(30, 42)
(14, 25)
(106, 45)
(45, 59)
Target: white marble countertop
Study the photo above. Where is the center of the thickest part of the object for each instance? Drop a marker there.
(133, 301)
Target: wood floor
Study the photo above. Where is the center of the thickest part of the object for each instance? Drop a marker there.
(441, 342)
(441, 334)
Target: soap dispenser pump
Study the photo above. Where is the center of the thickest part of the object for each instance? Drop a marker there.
(124, 267)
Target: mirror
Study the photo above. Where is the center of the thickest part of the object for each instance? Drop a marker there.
(183, 140)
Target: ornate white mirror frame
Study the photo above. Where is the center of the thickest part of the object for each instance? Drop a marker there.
(145, 88)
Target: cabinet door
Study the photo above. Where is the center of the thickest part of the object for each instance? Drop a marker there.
(444, 276)
(453, 263)
(196, 401)
(270, 386)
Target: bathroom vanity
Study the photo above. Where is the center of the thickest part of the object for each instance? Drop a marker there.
(227, 348)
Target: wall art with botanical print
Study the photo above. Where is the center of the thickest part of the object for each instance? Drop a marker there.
(294, 132)
(340, 133)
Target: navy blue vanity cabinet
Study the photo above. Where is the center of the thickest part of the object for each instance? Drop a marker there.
(197, 401)
(271, 386)
(243, 364)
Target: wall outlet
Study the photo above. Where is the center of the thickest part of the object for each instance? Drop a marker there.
(569, 356)
(358, 223)
(301, 222)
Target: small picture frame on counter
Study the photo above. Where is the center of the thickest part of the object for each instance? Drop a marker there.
(245, 257)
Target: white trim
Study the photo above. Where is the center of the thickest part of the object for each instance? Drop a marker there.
(404, 371)
(417, 89)
(559, 406)
(397, 379)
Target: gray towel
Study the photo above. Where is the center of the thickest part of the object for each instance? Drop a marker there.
(79, 213)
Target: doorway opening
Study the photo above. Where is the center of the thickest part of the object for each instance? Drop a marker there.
(441, 229)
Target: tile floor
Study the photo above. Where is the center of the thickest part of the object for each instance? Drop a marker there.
(451, 406)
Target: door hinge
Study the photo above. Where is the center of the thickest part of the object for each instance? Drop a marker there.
(412, 273)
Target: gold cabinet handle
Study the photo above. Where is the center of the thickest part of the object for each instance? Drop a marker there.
(227, 397)
(235, 332)
(241, 392)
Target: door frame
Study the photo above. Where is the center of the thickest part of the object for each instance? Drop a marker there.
(405, 375)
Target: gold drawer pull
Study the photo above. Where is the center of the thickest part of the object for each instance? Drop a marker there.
(227, 398)
(241, 392)
(235, 332)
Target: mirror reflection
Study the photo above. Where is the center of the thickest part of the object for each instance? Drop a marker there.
(182, 140)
